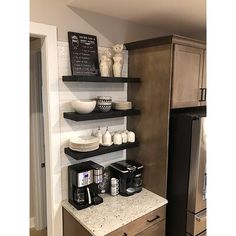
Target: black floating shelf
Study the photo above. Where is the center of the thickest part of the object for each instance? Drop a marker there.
(76, 78)
(99, 115)
(102, 150)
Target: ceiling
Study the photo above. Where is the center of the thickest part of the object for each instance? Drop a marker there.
(175, 16)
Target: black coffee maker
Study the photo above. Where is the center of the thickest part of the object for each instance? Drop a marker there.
(129, 174)
(83, 180)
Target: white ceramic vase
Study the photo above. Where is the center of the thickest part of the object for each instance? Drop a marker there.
(117, 66)
(108, 54)
(104, 66)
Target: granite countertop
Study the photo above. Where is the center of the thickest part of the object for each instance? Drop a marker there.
(115, 211)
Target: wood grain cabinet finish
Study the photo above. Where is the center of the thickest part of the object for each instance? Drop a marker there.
(141, 224)
(152, 96)
(155, 230)
(153, 221)
(171, 72)
(187, 76)
(204, 80)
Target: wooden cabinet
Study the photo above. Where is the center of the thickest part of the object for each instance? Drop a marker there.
(141, 224)
(150, 224)
(155, 230)
(204, 82)
(187, 81)
(187, 69)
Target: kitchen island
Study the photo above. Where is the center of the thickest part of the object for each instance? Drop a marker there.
(133, 215)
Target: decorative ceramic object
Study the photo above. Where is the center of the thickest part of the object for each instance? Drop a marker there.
(83, 106)
(109, 55)
(99, 135)
(118, 49)
(131, 137)
(104, 103)
(104, 66)
(117, 139)
(117, 66)
(106, 138)
(118, 60)
(124, 137)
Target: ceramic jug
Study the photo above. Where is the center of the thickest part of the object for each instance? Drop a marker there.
(99, 135)
(106, 138)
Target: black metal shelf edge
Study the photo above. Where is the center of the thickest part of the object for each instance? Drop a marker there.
(102, 150)
(95, 115)
(77, 78)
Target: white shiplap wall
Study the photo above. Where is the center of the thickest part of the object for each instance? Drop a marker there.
(73, 90)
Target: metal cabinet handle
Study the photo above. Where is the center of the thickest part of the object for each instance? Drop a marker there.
(201, 216)
(157, 217)
(201, 95)
(205, 94)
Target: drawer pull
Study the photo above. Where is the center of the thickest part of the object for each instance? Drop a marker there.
(125, 234)
(157, 217)
(201, 216)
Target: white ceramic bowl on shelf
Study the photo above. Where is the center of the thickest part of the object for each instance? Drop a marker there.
(83, 106)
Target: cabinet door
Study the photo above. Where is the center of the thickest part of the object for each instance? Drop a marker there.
(204, 80)
(155, 230)
(187, 76)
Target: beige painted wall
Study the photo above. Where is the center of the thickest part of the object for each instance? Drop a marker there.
(107, 29)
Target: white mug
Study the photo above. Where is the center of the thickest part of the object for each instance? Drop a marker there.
(131, 137)
(114, 181)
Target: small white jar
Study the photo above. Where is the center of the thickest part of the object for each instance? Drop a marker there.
(124, 137)
(131, 137)
(117, 139)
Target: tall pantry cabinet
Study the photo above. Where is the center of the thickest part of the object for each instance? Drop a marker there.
(173, 75)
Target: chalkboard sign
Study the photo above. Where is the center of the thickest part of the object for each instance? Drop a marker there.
(83, 54)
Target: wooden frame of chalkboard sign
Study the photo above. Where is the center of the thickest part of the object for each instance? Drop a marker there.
(83, 54)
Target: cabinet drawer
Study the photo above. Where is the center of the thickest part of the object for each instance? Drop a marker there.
(142, 223)
(157, 229)
(196, 223)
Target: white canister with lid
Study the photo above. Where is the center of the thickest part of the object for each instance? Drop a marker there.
(117, 138)
(131, 137)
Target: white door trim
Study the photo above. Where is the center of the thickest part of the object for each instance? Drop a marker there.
(48, 34)
(37, 152)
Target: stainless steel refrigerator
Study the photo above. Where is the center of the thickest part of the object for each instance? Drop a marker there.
(186, 185)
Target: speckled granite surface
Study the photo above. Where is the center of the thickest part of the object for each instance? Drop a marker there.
(115, 212)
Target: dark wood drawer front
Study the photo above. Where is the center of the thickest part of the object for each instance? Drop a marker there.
(137, 226)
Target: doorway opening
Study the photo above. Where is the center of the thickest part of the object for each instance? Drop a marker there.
(38, 209)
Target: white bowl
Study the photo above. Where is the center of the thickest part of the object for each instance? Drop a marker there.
(83, 106)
